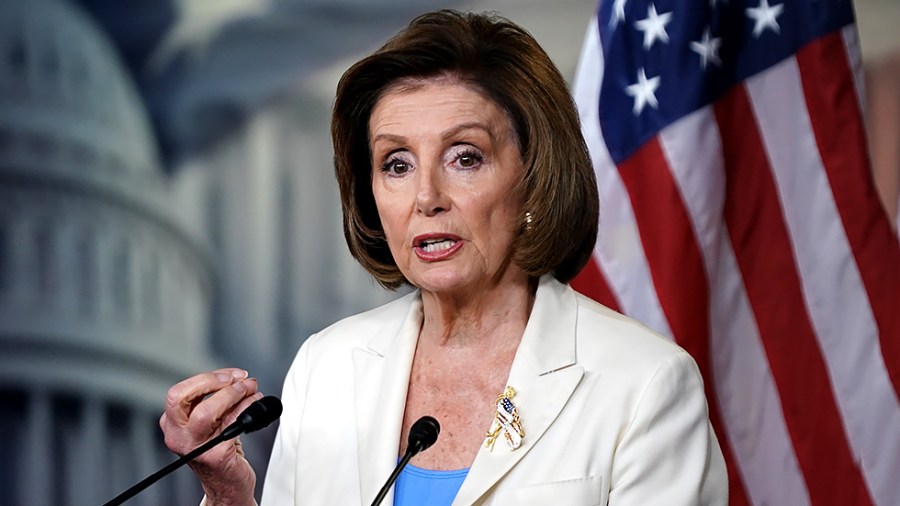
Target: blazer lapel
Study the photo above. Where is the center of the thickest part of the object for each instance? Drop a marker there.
(544, 375)
(381, 378)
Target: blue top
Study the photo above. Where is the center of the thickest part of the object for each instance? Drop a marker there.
(416, 486)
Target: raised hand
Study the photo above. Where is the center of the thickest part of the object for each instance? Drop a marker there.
(199, 408)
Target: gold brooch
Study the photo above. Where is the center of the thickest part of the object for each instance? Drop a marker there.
(506, 422)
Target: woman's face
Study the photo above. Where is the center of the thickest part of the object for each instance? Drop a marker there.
(445, 165)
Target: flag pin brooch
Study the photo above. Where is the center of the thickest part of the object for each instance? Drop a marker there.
(506, 422)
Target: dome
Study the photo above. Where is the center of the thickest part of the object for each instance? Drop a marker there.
(65, 94)
(105, 296)
(97, 271)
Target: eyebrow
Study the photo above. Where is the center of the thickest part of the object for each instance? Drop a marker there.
(453, 132)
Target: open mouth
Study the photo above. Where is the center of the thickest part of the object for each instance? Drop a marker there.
(435, 245)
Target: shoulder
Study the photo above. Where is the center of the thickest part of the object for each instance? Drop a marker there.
(596, 321)
(571, 328)
(613, 342)
(357, 330)
(329, 352)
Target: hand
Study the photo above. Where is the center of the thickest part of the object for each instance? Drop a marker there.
(198, 409)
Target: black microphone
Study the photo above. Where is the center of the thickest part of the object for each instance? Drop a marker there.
(257, 416)
(422, 435)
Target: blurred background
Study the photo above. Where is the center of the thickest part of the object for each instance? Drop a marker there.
(167, 206)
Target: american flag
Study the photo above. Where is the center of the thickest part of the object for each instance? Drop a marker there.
(738, 216)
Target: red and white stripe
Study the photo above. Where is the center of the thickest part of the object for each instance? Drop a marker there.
(750, 232)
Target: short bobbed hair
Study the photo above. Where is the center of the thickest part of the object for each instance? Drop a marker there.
(504, 62)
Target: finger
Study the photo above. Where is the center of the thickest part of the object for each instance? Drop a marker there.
(183, 397)
(207, 418)
(231, 416)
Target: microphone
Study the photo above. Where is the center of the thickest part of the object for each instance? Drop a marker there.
(423, 433)
(257, 416)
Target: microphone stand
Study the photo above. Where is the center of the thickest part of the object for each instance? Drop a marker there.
(423, 433)
(258, 415)
(410, 452)
(153, 478)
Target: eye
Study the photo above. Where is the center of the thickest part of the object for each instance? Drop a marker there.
(396, 166)
(469, 159)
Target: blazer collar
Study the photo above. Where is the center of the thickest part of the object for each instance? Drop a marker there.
(381, 379)
(544, 374)
(548, 343)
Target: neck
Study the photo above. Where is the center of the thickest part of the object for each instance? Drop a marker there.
(480, 316)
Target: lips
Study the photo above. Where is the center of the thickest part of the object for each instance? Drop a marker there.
(435, 247)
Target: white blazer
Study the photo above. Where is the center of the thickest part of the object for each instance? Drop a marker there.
(612, 412)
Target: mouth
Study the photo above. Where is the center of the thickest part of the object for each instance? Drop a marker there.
(436, 246)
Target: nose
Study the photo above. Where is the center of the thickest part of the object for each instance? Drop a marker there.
(431, 198)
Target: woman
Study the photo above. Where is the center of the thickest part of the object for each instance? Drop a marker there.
(463, 173)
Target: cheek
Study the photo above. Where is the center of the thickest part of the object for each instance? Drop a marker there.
(500, 221)
(391, 221)
(508, 208)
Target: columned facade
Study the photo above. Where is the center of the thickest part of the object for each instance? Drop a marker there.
(104, 295)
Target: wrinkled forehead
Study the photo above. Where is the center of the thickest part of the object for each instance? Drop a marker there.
(412, 84)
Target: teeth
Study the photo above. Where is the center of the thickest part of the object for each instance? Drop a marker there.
(431, 247)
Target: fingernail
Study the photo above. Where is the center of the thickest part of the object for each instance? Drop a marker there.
(224, 378)
(239, 386)
(239, 374)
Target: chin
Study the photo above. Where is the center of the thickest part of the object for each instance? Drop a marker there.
(443, 280)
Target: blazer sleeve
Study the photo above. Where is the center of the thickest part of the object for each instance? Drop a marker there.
(669, 454)
(279, 484)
